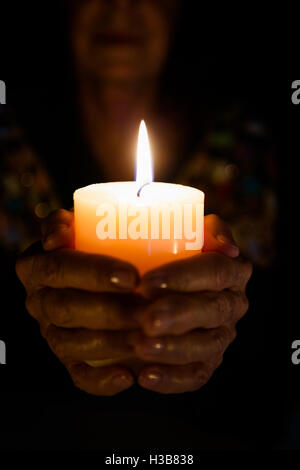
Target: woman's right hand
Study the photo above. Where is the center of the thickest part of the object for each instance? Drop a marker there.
(84, 304)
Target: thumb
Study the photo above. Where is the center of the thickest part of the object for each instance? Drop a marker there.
(218, 237)
(58, 230)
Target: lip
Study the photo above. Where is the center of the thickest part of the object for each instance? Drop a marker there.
(117, 39)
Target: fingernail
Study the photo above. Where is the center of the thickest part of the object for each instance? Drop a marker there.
(153, 377)
(151, 347)
(157, 281)
(122, 380)
(51, 237)
(51, 241)
(230, 247)
(159, 321)
(124, 278)
(224, 239)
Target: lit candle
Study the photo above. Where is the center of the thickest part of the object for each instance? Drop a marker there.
(143, 222)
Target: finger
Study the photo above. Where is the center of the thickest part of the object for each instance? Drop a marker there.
(176, 379)
(176, 314)
(62, 236)
(72, 308)
(195, 346)
(107, 381)
(75, 269)
(218, 236)
(58, 230)
(203, 272)
(87, 345)
(59, 216)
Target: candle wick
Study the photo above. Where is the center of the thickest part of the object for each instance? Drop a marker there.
(139, 191)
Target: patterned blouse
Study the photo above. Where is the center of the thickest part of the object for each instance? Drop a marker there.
(234, 164)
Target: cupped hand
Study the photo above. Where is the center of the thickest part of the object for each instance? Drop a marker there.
(84, 305)
(191, 318)
(87, 309)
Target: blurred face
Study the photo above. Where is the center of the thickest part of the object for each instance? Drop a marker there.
(121, 39)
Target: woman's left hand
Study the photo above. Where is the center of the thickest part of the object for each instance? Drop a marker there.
(195, 304)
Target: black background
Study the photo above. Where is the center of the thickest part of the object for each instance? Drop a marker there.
(247, 55)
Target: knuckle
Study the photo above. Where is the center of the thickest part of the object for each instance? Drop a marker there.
(36, 265)
(222, 306)
(245, 304)
(55, 216)
(54, 342)
(58, 307)
(171, 303)
(232, 272)
(78, 378)
(246, 270)
(219, 361)
(53, 268)
(43, 329)
(43, 300)
(77, 382)
(33, 305)
(220, 343)
(242, 305)
(181, 280)
(222, 338)
(49, 305)
(62, 316)
(201, 374)
(233, 334)
(25, 267)
(19, 267)
(57, 317)
(30, 304)
(27, 263)
(31, 268)
(237, 273)
(215, 361)
(220, 272)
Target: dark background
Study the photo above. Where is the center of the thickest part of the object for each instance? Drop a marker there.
(252, 404)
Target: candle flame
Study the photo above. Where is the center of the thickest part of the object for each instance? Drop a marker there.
(144, 171)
